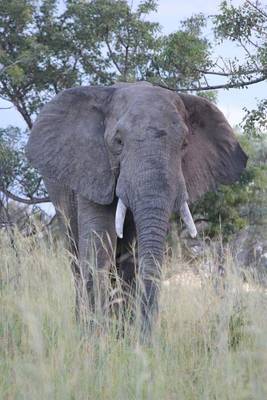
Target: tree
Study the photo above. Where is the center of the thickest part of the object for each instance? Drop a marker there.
(43, 51)
(246, 26)
(182, 55)
(126, 41)
(46, 47)
(36, 62)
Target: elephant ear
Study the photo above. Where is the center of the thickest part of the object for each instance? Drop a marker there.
(212, 154)
(67, 144)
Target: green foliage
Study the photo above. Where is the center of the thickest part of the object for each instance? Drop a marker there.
(243, 21)
(232, 207)
(123, 38)
(37, 57)
(210, 95)
(183, 54)
(15, 173)
(220, 208)
(246, 25)
(9, 155)
(255, 121)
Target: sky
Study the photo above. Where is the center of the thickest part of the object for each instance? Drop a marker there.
(170, 12)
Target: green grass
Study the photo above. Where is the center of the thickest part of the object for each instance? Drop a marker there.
(206, 345)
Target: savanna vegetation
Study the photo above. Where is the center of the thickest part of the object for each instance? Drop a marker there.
(210, 340)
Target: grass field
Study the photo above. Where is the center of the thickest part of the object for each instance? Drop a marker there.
(207, 344)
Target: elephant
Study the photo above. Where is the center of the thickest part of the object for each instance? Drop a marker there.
(117, 162)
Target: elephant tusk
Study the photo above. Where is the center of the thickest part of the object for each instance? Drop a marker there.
(188, 220)
(119, 218)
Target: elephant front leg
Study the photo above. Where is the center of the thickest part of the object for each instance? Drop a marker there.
(126, 261)
(97, 246)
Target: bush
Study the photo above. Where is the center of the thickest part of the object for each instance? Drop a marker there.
(233, 207)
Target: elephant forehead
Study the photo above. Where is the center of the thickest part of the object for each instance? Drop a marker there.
(138, 118)
(143, 97)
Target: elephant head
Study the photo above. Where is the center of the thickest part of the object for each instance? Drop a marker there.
(156, 150)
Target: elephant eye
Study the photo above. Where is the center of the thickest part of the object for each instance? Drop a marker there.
(116, 145)
(184, 144)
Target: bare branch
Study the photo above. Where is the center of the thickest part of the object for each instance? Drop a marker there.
(18, 102)
(6, 108)
(248, 53)
(206, 80)
(215, 87)
(217, 73)
(112, 55)
(34, 200)
(257, 70)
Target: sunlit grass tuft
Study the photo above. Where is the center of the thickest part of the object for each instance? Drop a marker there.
(208, 344)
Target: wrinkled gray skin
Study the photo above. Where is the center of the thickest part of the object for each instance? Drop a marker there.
(148, 146)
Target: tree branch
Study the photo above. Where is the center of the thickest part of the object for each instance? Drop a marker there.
(17, 101)
(19, 199)
(91, 65)
(112, 56)
(19, 104)
(218, 73)
(6, 108)
(257, 70)
(215, 87)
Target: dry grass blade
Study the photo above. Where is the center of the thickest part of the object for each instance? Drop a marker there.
(206, 346)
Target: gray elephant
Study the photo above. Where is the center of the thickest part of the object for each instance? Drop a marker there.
(117, 162)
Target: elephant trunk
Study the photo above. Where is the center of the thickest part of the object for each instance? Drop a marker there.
(151, 193)
(151, 222)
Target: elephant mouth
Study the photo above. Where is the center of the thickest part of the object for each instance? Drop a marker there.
(184, 213)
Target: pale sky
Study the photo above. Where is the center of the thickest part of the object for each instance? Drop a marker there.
(170, 12)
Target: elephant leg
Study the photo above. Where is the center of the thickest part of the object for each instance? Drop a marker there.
(97, 247)
(65, 202)
(126, 261)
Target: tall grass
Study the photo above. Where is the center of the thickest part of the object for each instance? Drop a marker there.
(207, 344)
